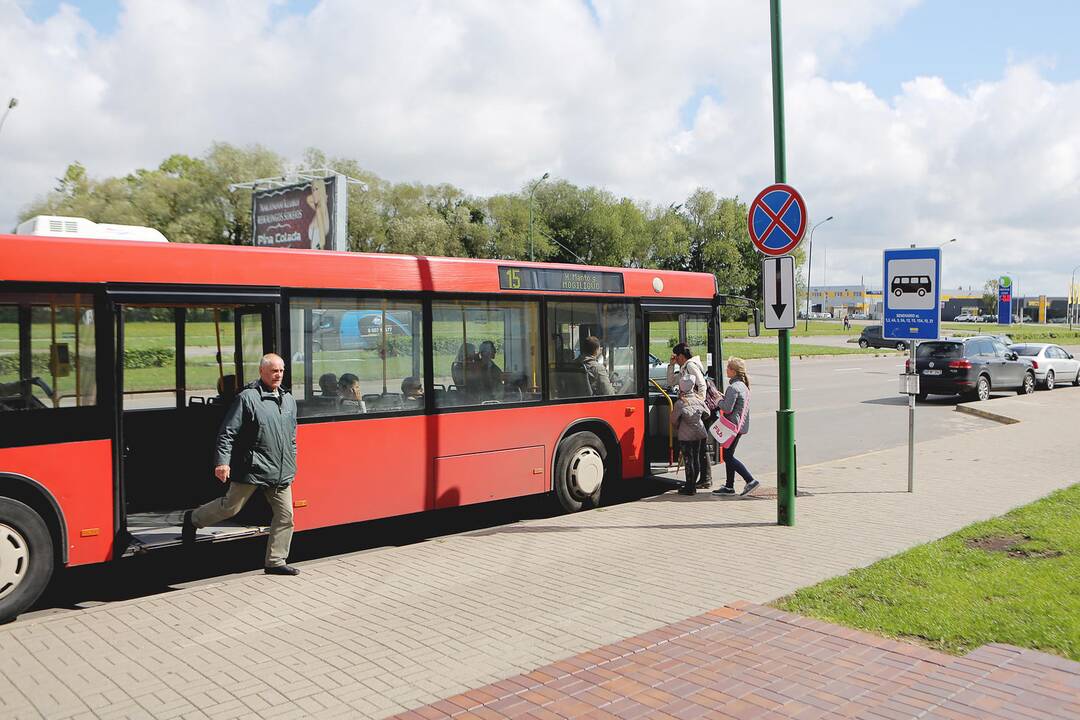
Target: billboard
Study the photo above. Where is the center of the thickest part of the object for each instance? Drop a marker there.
(1005, 300)
(309, 214)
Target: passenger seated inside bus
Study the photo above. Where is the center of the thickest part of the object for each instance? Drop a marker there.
(489, 376)
(412, 392)
(591, 360)
(350, 398)
(466, 355)
(226, 390)
(328, 385)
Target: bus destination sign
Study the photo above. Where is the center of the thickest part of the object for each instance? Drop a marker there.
(559, 280)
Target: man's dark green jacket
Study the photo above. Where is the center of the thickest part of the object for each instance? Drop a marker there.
(257, 439)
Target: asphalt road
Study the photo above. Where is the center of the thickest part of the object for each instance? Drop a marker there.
(844, 406)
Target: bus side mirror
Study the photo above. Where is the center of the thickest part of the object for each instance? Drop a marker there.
(753, 324)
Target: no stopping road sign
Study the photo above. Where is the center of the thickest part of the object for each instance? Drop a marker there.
(777, 220)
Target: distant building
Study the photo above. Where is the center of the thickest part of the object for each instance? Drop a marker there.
(841, 300)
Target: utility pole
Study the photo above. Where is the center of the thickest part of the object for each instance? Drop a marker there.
(785, 416)
(1072, 304)
(809, 267)
(11, 104)
(532, 191)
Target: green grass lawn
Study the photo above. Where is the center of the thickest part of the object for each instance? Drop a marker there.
(1058, 334)
(817, 327)
(956, 596)
(750, 351)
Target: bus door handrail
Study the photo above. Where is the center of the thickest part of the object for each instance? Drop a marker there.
(670, 438)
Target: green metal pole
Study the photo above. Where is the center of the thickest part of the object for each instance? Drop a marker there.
(785, 416)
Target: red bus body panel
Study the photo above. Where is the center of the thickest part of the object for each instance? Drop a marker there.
(123, 261)
(79, 476)
(366, 469)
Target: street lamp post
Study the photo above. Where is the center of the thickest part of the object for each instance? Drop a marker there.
(809, 266)
(947, 242)
(1072, 306)
(11, 104)
(532, 191)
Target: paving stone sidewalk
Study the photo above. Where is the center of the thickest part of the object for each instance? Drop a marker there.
(747, 662)
(376, 633)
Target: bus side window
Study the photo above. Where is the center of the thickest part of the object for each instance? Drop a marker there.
(486, 353)
(613, 324)
(60, 353)
(353, 356)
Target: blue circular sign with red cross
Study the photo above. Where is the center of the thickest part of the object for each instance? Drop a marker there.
(777, 219)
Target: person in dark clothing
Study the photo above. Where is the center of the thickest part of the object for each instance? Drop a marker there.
(489, 374)
(591, 359)
(256, 449)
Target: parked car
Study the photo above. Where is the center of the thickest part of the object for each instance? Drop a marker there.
(1051, 363)
(872, 337)
(971, 367)
(860, 316)
(657, 369)
(964, 317)
(1005, 339)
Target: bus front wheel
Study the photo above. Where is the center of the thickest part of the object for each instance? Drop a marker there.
(580, 467)
(26, 557)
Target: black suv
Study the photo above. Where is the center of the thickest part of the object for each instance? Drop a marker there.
(971, 367)
(871, 337)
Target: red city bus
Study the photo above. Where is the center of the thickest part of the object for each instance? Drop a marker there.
(421, 383)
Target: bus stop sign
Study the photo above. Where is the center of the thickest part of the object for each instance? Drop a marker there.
(912, 294)
(777, 220)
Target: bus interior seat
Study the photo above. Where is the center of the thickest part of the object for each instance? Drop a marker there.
(227, 390)
(572, 381)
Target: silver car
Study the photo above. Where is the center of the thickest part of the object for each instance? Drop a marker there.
(1052, 364)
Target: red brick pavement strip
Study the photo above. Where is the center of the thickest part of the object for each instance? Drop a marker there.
(746, 661)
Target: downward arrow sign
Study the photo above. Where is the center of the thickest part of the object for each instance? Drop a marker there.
(778, 306)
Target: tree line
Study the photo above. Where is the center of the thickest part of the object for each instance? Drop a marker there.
(188, 199)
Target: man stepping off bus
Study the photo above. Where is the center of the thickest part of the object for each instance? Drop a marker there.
(256, 448)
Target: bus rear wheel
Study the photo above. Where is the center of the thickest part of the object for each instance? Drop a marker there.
(26, 557)
(580, 466)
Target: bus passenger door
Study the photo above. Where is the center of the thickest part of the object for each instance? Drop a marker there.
(665, 326)
(183, 357)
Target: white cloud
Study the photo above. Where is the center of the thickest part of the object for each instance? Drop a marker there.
(488, 95)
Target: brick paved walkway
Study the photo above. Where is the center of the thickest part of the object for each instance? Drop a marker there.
(746, 662)
(380, 632)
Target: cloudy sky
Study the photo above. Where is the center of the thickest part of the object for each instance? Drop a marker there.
(908, 121)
